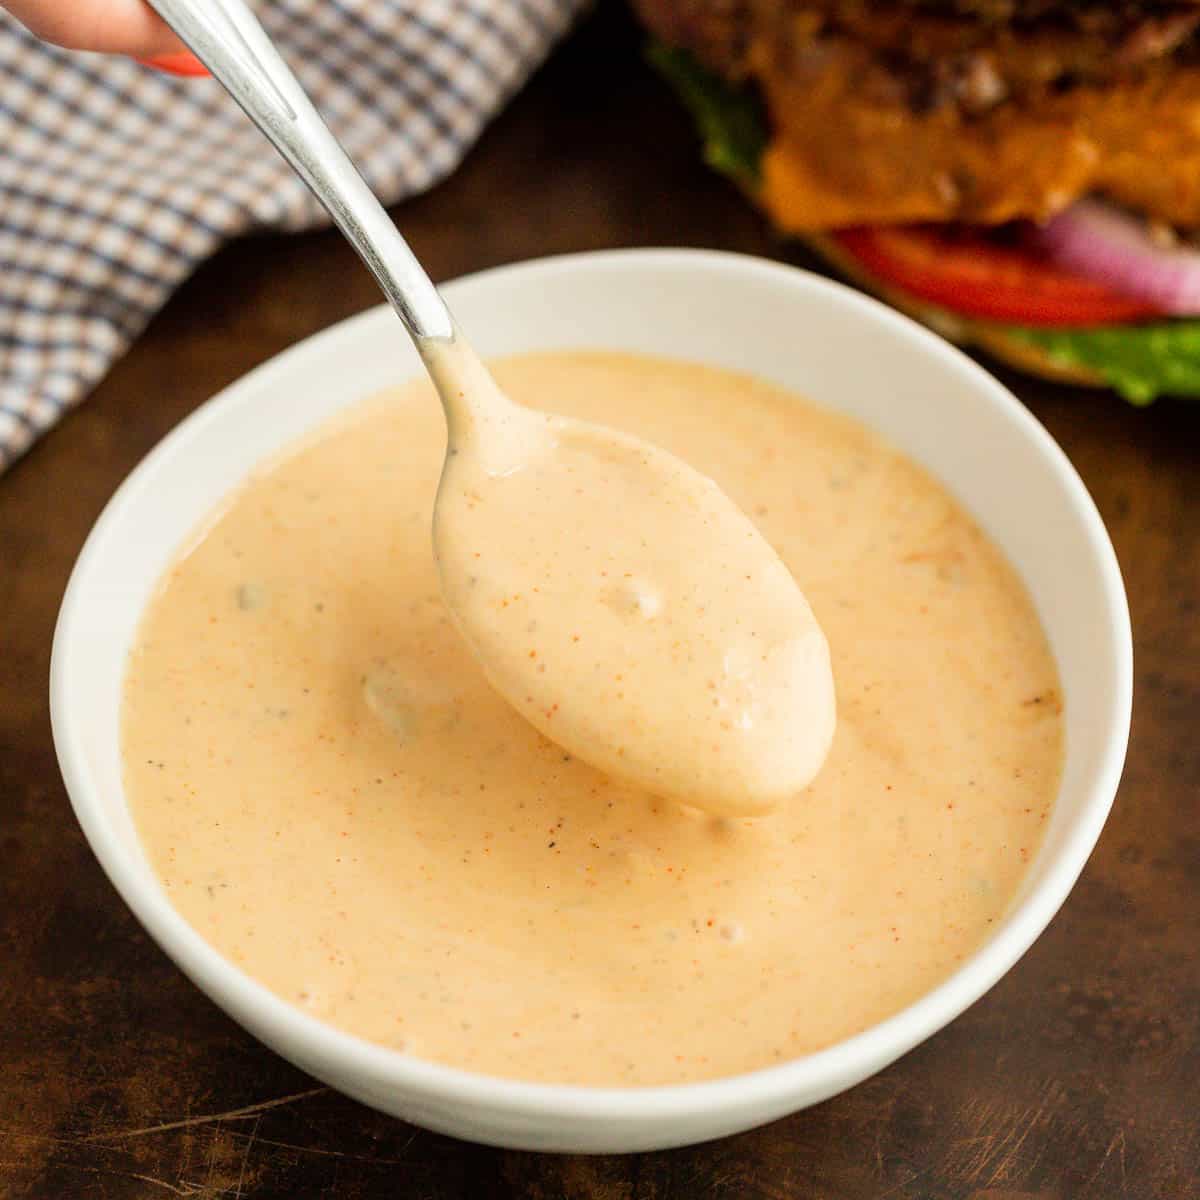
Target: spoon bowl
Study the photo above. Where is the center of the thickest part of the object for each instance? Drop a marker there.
(632, 614)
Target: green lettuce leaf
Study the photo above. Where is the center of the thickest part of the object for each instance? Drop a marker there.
(1141, 362)
(730, 119)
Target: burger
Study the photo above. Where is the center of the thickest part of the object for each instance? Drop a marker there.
(1023, 175)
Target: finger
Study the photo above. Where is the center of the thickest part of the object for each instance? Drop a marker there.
(109, 26)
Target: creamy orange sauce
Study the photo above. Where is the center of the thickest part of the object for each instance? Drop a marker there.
(625, 606)
(333, 794)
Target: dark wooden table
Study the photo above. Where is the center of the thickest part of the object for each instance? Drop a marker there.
(1077, 1076)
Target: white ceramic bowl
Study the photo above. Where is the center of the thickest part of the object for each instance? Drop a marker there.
(795, 329)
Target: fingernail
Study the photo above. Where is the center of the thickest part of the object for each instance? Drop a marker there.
(182, 63)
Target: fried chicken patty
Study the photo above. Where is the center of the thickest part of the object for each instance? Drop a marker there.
(983, 111)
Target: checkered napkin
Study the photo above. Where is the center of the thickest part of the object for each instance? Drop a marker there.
(116, 181)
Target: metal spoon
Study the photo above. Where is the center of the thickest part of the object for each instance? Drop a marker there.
(725, 698)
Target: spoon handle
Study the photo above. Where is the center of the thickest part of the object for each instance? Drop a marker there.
(226, 36)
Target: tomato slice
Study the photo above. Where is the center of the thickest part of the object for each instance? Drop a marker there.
(969, 272)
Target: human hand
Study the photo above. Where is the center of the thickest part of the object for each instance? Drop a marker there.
(110, 26)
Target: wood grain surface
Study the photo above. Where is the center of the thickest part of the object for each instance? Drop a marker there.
(1077, 1076)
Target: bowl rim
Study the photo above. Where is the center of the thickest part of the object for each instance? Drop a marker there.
(252, 1003)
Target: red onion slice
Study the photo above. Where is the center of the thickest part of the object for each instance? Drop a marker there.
(1112, 247)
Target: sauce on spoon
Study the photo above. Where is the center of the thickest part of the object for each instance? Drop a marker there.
(624, 605)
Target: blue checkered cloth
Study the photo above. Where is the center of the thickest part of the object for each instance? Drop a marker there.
(116, 180)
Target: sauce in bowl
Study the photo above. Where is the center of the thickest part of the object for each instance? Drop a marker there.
(333, 794)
